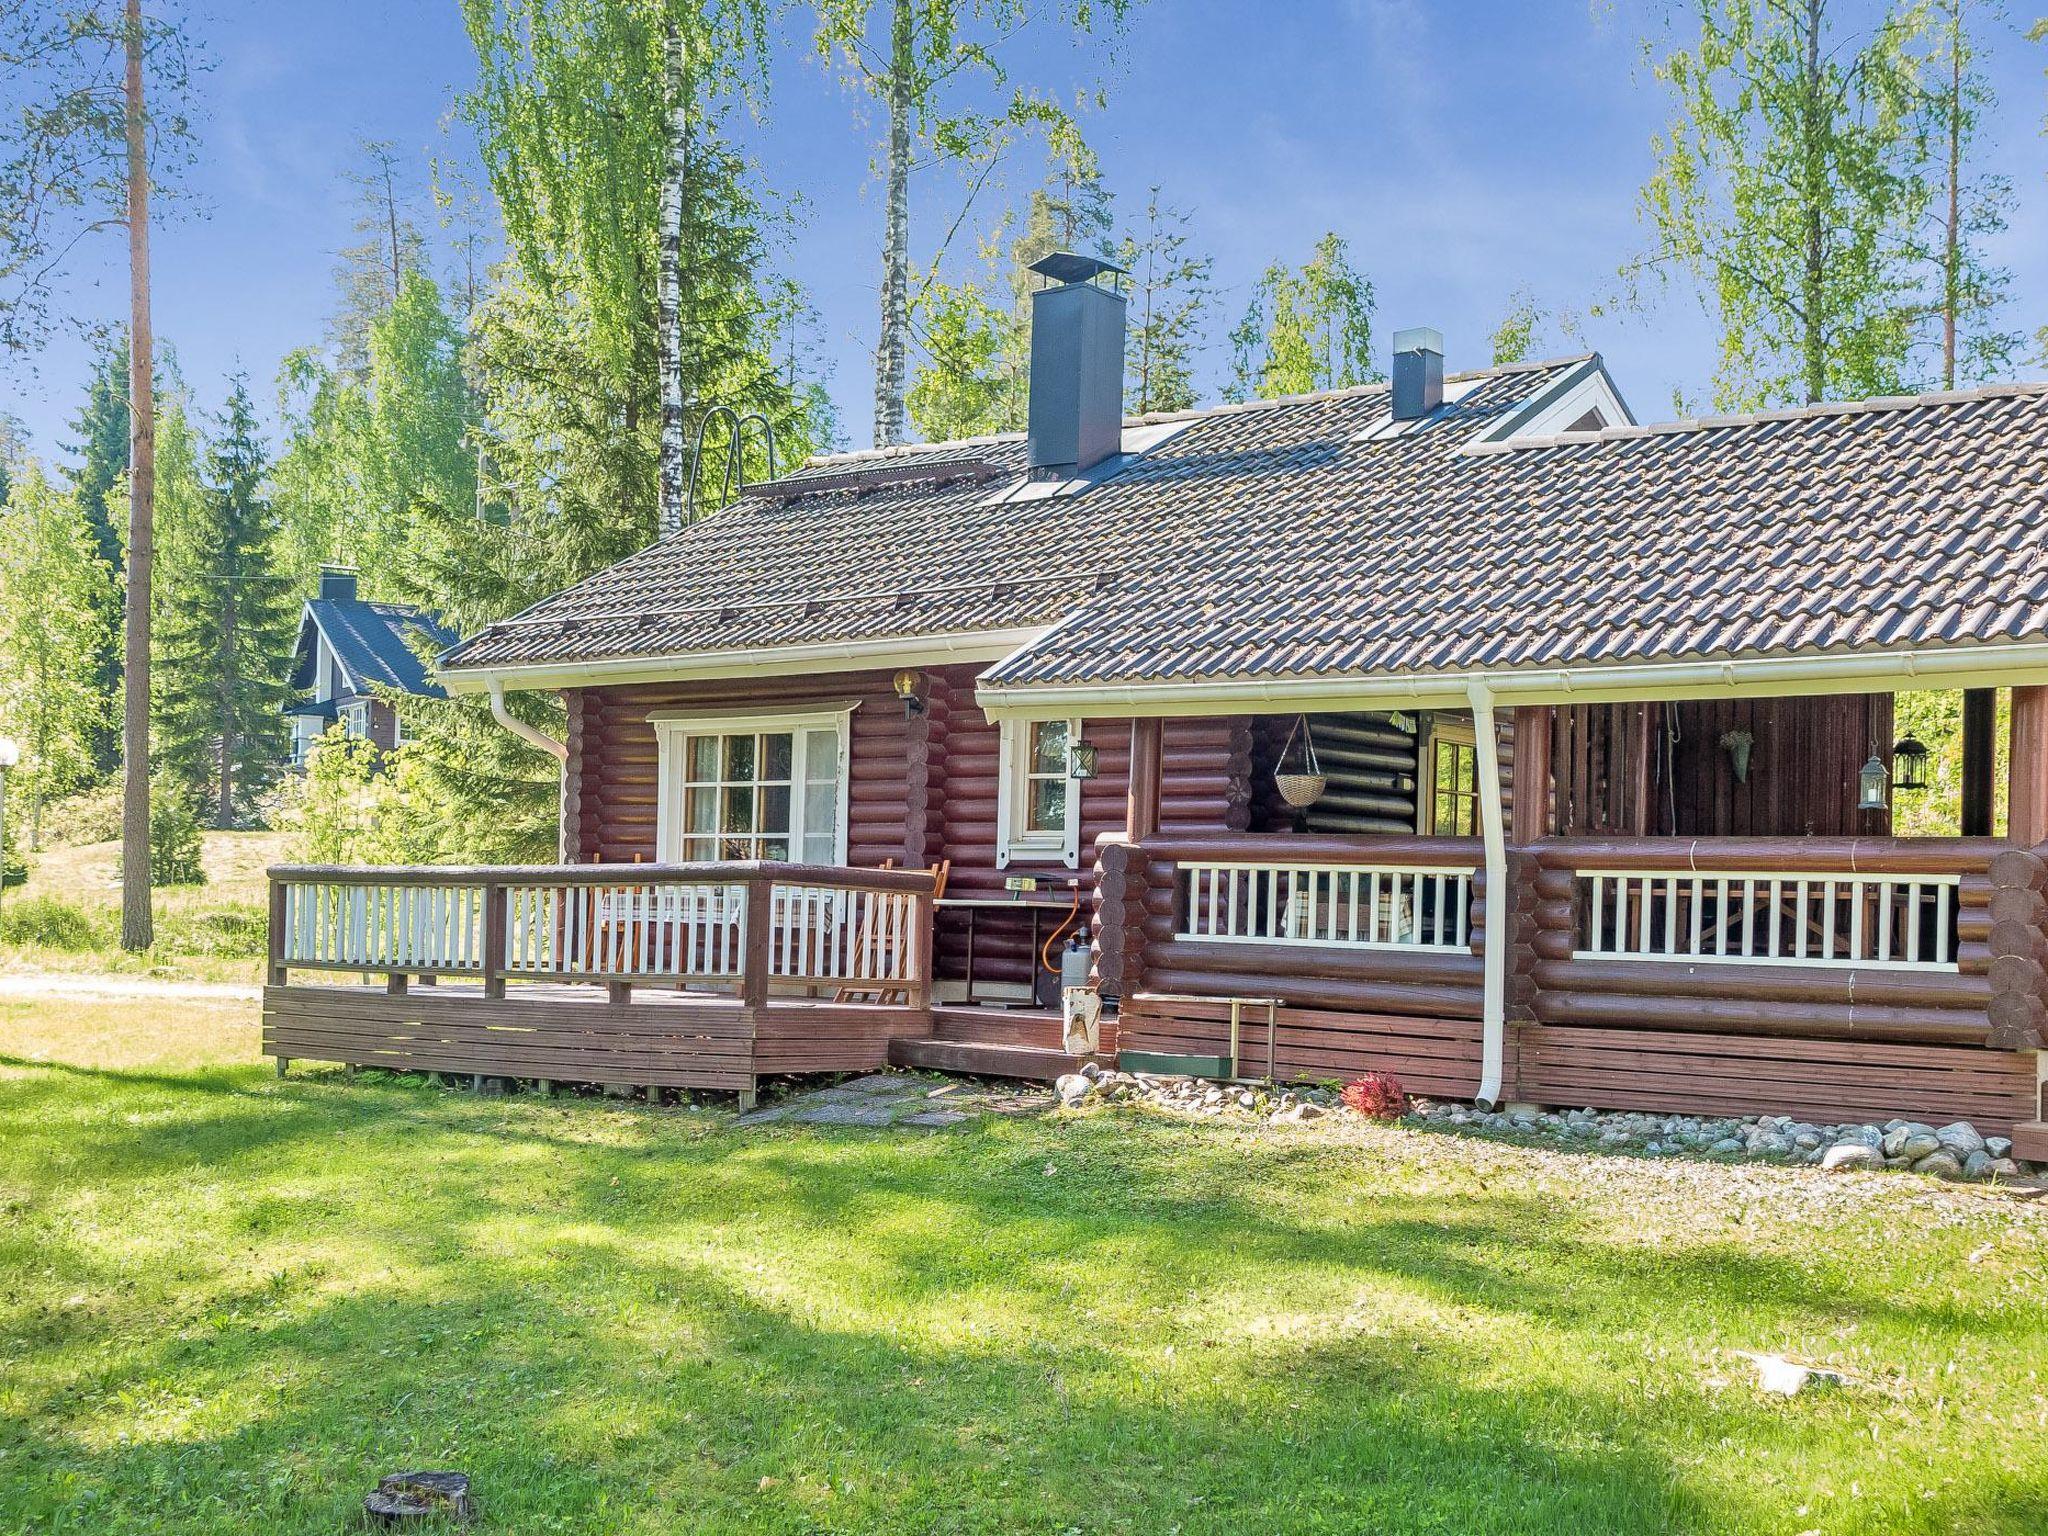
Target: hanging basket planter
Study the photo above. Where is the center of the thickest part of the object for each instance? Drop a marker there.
(1300, 787)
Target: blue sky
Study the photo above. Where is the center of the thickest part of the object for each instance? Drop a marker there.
(1465, 151)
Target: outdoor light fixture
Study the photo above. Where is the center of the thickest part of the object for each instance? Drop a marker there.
(1874, 780)
(910, 688)
(1081, 761)
(1909, 763)
(10, 754)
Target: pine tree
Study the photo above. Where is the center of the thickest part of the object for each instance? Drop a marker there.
(1790, 187)
(389, 246)
(53, 598)
(1171, 295)
(1306, 329)
(227, 637)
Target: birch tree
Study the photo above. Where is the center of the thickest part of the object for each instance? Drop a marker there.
(1307, 328)
(1972, 208)
(1172, 292)
(938, 70)
(1789, 185)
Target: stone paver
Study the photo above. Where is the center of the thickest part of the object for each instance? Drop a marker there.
(898, 1099)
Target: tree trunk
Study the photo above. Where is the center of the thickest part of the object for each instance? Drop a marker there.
(137, 929)
(892, 354)
(1814, 278)
(669, 280)
(1951, 255)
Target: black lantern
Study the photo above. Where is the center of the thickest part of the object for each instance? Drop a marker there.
(911, 689)
(1081, 761)
(1873, 781)
(1909, 763)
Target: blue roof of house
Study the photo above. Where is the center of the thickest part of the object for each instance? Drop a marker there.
(369, 641)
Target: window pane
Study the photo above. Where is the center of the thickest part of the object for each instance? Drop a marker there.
(1048, 805)
(739, 809)
(821, 756)
(700, 850)
(821, 811)
(818, 848)
(736, 848)
(1049, 747)
(739, 757)
(775, 848)
(703, 810)
(775, 808)
(703, 759)
(776, 754)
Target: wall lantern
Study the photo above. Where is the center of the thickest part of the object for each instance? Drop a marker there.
(1909, 763)
(1874, 780)
(1081, 761)
(911, 689)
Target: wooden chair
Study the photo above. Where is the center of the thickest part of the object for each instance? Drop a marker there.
(880, 990)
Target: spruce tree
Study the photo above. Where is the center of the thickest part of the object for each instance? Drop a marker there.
(98, 475)
(227, 635)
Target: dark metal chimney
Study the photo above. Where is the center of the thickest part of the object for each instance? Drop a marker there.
(1418, 372)
(1077, 365)
(338, 582)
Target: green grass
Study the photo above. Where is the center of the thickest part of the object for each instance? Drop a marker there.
(67, 917)
(227, 1303)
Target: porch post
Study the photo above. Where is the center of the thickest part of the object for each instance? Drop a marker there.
(1980, 724)
(1493, 1011)
(2027, 811)
(1532, 773)
(1141, 815)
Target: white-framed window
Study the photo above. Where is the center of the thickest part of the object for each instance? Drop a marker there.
(1038, 817)
(399, 734)
(1448, 805)
(752, 786)
(355, 720)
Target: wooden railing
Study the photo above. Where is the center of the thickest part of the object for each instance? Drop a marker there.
(749, 924)
(1929, 940)
(1356, 905)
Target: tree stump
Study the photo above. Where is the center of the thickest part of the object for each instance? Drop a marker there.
(415, 1498)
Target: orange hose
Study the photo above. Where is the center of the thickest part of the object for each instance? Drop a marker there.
(1045, 950)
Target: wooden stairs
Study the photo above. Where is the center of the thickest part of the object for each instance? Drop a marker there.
(996, 1042)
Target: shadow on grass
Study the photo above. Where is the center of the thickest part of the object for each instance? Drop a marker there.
(619, 1322)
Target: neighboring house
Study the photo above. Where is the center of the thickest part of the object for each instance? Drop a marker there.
(346, 649)
(1601, 717)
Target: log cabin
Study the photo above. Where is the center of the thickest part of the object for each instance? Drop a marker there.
(1457, 725)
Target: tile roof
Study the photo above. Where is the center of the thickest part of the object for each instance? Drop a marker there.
(370, 642)
(1916, 521)
(1294, 538)
(923, 540)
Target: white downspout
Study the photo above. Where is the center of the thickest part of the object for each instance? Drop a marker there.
(531, 735)
(1493, 1010)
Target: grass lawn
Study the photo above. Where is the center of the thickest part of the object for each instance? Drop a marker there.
(209, 932)
(227, 1303)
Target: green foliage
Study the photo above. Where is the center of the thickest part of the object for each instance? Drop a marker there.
(174, 842)
(1306, 329)
(1971, 210)
(1790, 186)
(53, 594)
(46, 922)
(1937, 720)
(225, 630)
(1514, 339)
(99, 475)
(1172, 292)
(370, 274)
(13, 866)
(364, 806)
(93, 815)
(228, 931)
(968, 385)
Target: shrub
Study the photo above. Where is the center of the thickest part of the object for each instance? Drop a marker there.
(1377, 1095)
(236, 932)
(90, 816)
(174, 842)
(49, 923)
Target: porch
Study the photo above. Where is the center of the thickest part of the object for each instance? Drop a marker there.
(678, 976)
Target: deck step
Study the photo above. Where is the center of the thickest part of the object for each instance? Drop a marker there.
(983, 1058)
(2030, 1141)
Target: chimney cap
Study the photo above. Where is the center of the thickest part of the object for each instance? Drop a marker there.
(1420, 338)
(1072, 267)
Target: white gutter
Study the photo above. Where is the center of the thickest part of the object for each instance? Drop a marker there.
(1976, 666)
(533, 736)
(881, 652)
(1493, 1009)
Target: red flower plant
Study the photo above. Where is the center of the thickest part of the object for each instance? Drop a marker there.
(1377, 1096)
